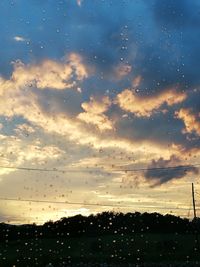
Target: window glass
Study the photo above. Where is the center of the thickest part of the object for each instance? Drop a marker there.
(99, 132)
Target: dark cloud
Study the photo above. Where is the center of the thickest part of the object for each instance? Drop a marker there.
(54, 102)
(160, 171)
(163, 128)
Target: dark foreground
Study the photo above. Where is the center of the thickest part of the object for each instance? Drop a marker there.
(105, 240)
(115, 251)
(129, 265)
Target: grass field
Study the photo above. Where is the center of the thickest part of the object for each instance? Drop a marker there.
(123, 249)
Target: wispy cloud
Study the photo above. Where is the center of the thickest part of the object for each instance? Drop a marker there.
(20, 39)
(79, 2)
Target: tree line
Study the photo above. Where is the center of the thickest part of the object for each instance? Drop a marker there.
(106, 223)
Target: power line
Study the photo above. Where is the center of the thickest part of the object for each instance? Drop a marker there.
(90, 204)
(94, 204)
(30, 169)
(90, 170)
(58, 202)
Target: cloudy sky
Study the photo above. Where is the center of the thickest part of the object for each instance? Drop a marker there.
(89, 89)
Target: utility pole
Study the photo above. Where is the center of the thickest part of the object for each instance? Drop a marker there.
(197, 247)
(193, 200)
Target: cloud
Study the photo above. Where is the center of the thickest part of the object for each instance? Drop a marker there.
(146, 106)
(16, 151)
(24, 129)
(101, 121)
(136, 81)
(19, 39)
(28, 103)
(23, 101)
(161, 176)
(122, 70)
(190, 120)
(79, 2)
(94, 113)
(97, 106)
(49, 73)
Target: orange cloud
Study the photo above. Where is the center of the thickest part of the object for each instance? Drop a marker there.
(122, 70)
(136, 82)
(94, 113)
(50, 74)
(18, 100)
(97, 106)
(191, 120)
(145, 106)
(22, 102)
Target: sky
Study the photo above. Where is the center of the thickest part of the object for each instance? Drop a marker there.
(90, 89)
